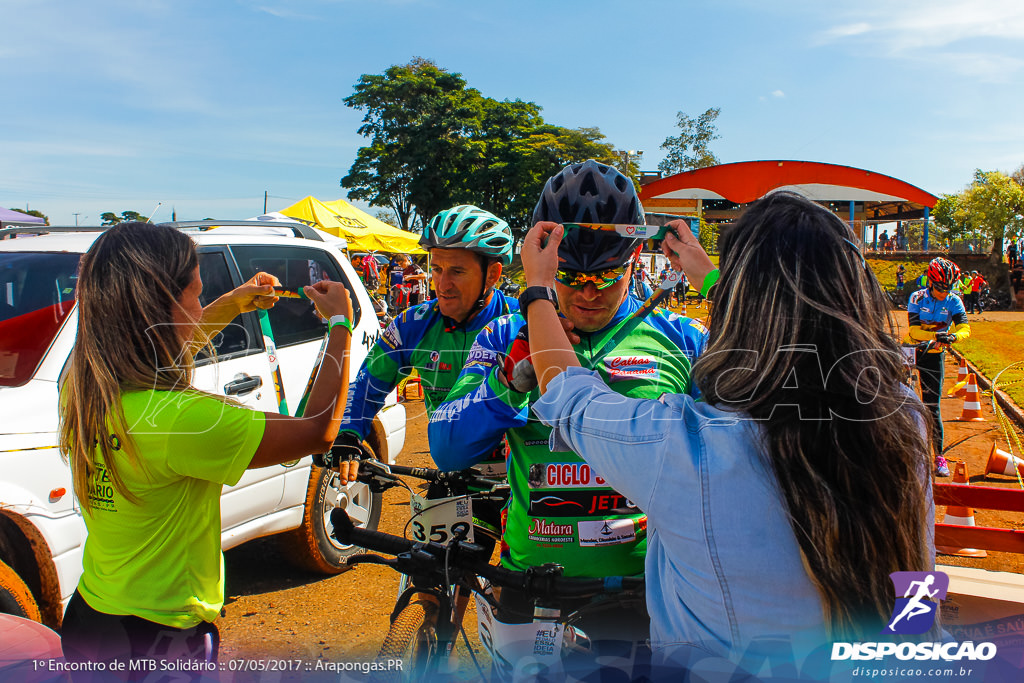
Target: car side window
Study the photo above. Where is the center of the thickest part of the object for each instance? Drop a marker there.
(235, 337)
(294, 321)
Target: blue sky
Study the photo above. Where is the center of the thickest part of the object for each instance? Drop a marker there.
(120, 104)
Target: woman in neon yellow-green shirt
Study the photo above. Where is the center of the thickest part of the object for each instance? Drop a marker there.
(149, 453)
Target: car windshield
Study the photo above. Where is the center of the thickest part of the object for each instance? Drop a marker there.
(37, 293)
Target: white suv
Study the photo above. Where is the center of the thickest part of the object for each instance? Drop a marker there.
(41, 528)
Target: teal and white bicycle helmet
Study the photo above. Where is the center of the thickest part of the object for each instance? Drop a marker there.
(472, 228)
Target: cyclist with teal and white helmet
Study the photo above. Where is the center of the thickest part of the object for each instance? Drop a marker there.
(468, 247)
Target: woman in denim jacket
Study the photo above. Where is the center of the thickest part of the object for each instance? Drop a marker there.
(779, 503)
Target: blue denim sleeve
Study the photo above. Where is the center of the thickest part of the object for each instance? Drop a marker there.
(623, 438)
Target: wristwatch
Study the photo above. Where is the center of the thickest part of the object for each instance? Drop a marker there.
(531, 294)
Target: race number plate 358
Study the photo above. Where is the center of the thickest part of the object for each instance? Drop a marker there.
(441, 519)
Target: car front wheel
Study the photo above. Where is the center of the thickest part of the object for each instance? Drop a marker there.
(15, 597)
(311, 546)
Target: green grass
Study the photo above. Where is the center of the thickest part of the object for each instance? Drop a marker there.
(995, 346)
(885, 270)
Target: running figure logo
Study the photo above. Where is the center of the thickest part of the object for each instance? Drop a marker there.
(914, 612)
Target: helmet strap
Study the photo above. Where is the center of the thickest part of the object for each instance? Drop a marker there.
(485, 292)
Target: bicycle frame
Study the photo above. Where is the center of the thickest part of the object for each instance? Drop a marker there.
(452, 600)
(433, 567)
(913, 378)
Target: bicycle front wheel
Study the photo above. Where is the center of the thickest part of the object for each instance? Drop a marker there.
(409, 648)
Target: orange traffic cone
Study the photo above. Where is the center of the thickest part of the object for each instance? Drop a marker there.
(972, 402)
(960, 387)
(1001, 462)
(961, 516)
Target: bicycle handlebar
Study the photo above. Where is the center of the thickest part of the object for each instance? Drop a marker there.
(922, 346)
(433, 559)
(372, 471)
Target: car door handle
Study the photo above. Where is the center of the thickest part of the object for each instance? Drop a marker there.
(243, 385)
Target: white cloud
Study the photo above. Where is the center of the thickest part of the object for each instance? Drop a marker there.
(283, 13)
(848, 30)
(969, 36)
(936, 23)
(778, 94)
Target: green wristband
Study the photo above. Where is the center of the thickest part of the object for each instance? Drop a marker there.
(710, 280)
(339, 320)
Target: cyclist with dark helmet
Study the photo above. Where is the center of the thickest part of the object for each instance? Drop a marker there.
(468, 247)
(936, 313)
(560, 510)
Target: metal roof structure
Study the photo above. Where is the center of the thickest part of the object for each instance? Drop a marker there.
(875, 196)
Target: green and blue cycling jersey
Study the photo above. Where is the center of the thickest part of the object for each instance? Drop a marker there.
(423, 339)
(560, 510)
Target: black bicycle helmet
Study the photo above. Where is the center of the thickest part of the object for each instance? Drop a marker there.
(591, 192)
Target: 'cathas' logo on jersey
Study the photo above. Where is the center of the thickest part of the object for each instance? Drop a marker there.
(631, 367)
(921, 592)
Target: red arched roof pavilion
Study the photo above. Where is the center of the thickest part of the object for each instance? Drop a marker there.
(746, 181)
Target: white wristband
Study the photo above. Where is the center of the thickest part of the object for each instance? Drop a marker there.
(339, 320)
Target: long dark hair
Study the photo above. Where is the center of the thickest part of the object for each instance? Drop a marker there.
(129, 284)
(801, 339)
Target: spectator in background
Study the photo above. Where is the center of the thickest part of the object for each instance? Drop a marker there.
(963, 286)
(1011, 252)
(641, 284)
(901, 271)
(974, 298)
(883, 241)
(1017, 276)
(371, 272)
(414, 278)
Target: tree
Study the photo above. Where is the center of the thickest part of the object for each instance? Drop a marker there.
(991, 207)
(689, 149)
(434, 142)
(387, 216)
(520, 153)
(33, 212)
(421, 121)
(110, 218)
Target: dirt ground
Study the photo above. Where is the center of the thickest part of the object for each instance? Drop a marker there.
(275, 611)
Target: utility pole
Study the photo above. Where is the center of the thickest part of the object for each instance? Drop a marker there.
(76, 215)
(628, 155)
(264, 201)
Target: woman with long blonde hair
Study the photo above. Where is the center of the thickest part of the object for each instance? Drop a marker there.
(780, 503)
(149, 453)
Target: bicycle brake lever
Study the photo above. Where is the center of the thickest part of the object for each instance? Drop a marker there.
(373, 464)
(376, 475)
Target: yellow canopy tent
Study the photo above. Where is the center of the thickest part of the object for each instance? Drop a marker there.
(362, 231)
